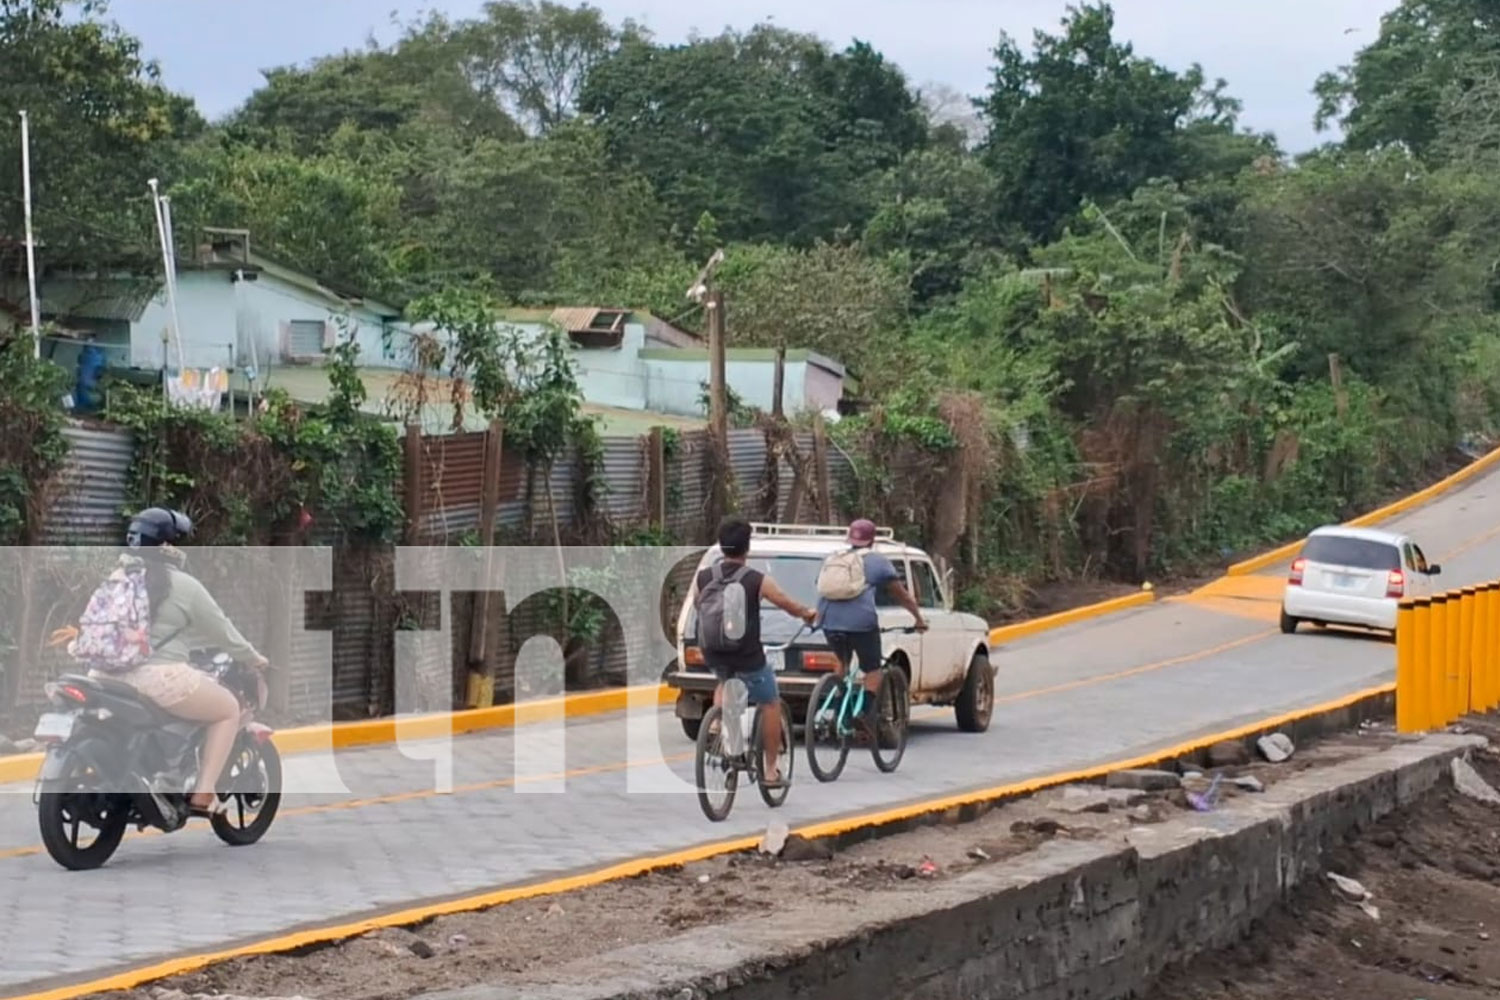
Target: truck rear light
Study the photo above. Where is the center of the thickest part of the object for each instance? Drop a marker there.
(1298, 565)
(1395, 584)
(692, 656)
(819, 660)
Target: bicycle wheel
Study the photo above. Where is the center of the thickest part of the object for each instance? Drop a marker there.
(774, 797)
(824, 709)
(713, 770)
(894, 717)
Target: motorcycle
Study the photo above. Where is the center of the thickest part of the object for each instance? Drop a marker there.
(114, 760)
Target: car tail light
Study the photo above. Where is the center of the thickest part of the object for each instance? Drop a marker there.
(1298, 565)
(1395, 584)
(819, 661)
(692, 656)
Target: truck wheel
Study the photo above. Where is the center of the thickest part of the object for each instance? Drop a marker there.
(976, 702)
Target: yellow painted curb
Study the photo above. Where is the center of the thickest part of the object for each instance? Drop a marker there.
(1437, 489)
(1020, 630)
(338, 735)
(467, 904)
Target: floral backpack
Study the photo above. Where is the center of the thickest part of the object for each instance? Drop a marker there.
(114, 634)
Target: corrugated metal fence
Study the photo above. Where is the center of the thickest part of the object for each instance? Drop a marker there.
(91, 488)
(364, 609)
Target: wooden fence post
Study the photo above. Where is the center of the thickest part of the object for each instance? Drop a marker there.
(656, 479)
(489, 504)
(413, 482)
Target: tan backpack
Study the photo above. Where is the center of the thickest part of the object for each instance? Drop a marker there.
(842, 577)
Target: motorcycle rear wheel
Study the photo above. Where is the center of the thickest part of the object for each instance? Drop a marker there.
(253, 780)
(70, 802)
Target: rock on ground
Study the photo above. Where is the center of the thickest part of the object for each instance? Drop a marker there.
(1144, 780)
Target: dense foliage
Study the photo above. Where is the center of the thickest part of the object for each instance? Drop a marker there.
(1143, 336)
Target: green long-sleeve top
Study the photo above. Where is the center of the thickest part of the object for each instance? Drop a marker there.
(188, 619)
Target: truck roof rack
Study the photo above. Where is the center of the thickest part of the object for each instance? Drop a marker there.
(815, 531)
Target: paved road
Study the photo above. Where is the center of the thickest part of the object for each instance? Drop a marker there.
(1084, 695)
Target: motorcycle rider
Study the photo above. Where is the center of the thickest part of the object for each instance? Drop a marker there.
(184, 616)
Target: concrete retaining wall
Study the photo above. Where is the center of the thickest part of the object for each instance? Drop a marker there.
(1070, 921)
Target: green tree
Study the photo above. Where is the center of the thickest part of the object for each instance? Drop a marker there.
(1429, 54)
(101, 125)
(1084, 117)
(767, 131)
(828, 298)
(937, 207)
(418, 82)
(321, 214)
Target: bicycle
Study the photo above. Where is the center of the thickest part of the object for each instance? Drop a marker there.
(710, 758)
(837, 701)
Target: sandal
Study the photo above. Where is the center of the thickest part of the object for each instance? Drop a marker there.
(773, 784)
(215, 808)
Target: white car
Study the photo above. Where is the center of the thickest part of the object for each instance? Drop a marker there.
(1354, 576)
(947, 665)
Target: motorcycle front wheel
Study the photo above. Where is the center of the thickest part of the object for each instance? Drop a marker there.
(81, 824)
(253, 783)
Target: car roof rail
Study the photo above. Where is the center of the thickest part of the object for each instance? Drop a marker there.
(814, 531)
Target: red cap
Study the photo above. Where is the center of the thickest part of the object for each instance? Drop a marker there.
(862, 532)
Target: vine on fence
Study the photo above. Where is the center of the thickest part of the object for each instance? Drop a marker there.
(32, 447)
(257, 481)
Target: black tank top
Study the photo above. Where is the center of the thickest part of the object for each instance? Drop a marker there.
(751, 655)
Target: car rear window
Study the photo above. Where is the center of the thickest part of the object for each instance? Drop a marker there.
(1357, 552)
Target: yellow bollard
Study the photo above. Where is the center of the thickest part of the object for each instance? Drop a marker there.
(1469, 642)
(1465, 672)
(1421, 666)
(1406, 680)
(1479, 658)
(1451, 648)
(1437, 664)
(1489, 661)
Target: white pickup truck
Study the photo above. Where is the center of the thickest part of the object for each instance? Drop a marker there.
(947, 665)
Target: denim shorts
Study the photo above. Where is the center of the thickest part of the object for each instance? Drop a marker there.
(761, 684)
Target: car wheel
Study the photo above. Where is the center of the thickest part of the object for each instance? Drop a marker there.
(976, 702)
(1288, 623)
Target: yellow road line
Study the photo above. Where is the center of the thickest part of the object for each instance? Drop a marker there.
(335, 932)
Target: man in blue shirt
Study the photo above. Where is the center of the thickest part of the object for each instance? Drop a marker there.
(853, 626)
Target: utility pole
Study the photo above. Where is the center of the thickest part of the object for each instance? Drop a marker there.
(712, 299)
(36, 305)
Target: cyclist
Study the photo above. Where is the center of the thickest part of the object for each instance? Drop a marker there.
(850, 620)
(747, 661)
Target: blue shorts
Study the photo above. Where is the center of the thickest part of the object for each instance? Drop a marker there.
(761, 684)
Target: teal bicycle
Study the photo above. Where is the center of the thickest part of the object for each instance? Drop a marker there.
(833, 711)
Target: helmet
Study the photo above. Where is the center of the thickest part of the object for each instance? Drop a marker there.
(157, 526)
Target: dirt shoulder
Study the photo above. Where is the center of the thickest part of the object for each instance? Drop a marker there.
(1434, 875)
(536, 935)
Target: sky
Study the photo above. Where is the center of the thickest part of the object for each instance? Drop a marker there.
(1270, 51)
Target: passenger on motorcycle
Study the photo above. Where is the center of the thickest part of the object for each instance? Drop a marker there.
(184, 616)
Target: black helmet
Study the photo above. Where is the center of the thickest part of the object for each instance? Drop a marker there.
(157, 526)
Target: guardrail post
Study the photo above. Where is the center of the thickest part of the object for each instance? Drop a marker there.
(1451, 646)
(1468, 623)
(1437, 663)
(1406, 674)
(1488, 661)
(1421, 656)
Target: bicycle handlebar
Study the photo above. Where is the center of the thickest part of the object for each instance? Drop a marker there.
(795, 636)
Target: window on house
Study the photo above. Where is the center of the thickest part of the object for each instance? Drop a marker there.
(305, 338)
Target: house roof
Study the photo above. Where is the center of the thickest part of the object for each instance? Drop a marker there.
(384, 390)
